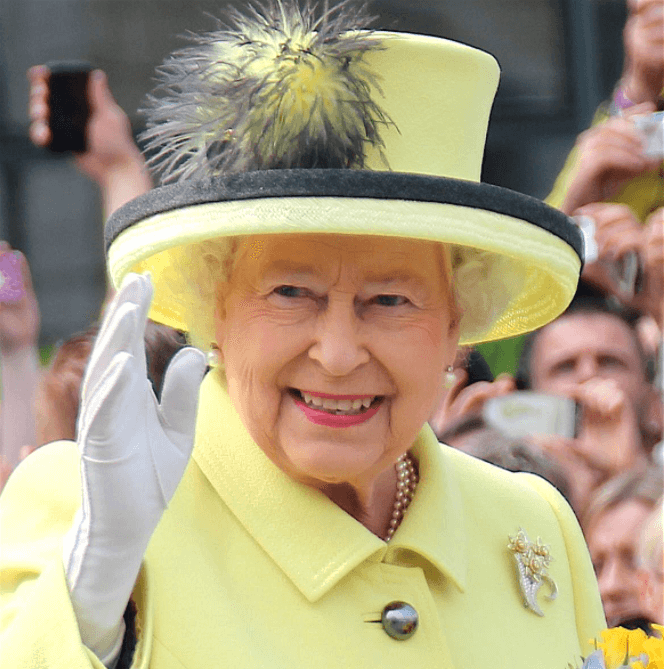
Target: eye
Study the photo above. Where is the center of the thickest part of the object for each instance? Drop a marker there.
(390, 300)
(598, 566)
(564, 367)
(290, 291)
(610, 361)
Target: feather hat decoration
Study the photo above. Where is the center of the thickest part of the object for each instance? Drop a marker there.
(276, 89)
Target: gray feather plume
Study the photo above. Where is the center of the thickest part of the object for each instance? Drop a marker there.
(277, 88)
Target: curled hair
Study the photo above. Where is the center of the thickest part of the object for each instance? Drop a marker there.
(484, 283)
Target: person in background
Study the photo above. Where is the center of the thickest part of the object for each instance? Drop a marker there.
(612, 526)
(608, 162)
(473, 436)
(593, 351)
(592, 354)
(58, 395)
(19, 357)
(650, 573)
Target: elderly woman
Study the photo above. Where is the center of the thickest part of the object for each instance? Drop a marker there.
(325, 237)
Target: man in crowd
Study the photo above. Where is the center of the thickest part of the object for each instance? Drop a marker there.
(612, 526)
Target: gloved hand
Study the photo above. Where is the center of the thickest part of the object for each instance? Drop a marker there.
(133, 454)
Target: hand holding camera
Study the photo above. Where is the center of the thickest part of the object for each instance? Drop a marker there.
(610, 155)
(613, 239)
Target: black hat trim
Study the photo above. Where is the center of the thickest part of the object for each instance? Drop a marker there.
(349, 183)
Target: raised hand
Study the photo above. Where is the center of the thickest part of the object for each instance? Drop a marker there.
(643, 37)
(617, 233)
(609, 155)
(134, 452)
(111, 159)
(19, 319)
(462, 400)
(19, 363)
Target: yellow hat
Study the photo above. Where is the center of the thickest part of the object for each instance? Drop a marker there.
(423, 104)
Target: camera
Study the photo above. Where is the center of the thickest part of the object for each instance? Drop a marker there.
(626, 271)
(651, 128)
(524, 413)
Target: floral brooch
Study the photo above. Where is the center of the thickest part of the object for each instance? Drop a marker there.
(532, 561)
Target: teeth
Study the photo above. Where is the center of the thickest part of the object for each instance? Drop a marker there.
(342, 406)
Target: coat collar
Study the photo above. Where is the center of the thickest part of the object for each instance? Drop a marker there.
(299, 527)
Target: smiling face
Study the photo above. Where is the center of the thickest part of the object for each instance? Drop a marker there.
(335, 348)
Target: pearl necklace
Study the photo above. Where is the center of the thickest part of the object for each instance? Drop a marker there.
(406, 485)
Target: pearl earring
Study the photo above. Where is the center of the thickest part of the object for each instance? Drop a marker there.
(450, 377)
(213, 357)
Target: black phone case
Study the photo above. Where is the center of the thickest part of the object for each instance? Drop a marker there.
(68, 103)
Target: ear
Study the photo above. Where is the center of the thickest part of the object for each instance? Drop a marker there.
(653, 416)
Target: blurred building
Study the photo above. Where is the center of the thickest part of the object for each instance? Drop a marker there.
(559, 58)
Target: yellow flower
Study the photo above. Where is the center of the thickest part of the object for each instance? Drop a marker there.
(614, 646)
(654, 649)
(622, 647)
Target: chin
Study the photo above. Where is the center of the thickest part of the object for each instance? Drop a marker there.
(331, 464)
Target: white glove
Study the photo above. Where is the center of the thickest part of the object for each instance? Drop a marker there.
(133, 454)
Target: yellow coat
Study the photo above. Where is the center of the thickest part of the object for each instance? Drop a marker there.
(250, 569)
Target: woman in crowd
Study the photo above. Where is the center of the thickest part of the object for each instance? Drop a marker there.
(324, 235)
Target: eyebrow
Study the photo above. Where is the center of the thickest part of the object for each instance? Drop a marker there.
(380, 278)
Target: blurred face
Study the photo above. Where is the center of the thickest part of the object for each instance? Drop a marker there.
(335, 349)
(51, 422)
(579, 347)
(612, 540)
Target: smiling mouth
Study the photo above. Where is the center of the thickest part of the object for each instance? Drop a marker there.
(337, 407)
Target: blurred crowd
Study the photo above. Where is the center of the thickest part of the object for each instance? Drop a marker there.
(583, 410)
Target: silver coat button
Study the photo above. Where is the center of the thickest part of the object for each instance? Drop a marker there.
(399, 620)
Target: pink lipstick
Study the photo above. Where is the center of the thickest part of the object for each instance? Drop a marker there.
(321, 417)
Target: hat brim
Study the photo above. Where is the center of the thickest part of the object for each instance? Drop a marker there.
(145, 234)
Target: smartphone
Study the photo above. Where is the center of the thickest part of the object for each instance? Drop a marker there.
(68, 104)
(11, 278)
(524, 413)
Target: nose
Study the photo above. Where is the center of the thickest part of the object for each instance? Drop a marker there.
(586, 369)
(613, 582)
(339, 345)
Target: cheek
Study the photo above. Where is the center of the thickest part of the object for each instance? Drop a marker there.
(419, 355)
